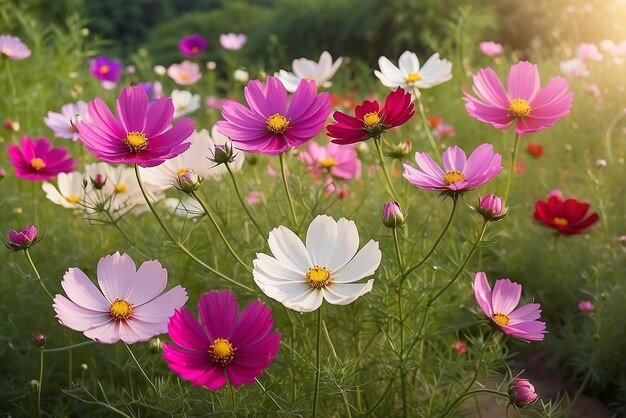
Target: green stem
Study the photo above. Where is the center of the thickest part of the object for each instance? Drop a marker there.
(392, 191)
(243, 204)
(32, 266)
(175, 241)
(317, 361)
(132, 355)
(219, 231)
(232, 399)
(609, 133)
(69, 347)
(40, 382)
(11, 81)
(289, 199)
(401, 319)
(454, 404)
(443, 232)
(511, 170)
(429, 134)
(34, 198)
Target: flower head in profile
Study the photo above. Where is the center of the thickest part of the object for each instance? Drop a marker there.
(307, 69)
(522, 393)
(141, 134)
(35, 160)
(301, 277)
(193, 45)
(107, 70)
(369, 120)
(64, 124)
(490, 49)
(22, 239)
(13, 48)
(69, 191)
(491, 208)
(410, 76)
(393, 216)
(500, 305)
(568, 217)
(526, 105)
(186, 73)
(270, 124)
(233, 41)
(129, 305)
(338, 161)
(227, 346)
(459, 173)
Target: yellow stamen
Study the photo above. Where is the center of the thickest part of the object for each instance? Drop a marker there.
(73, 199)
(104, 69)
(221, 351)
(318, 277)
(519, 108)
(182, 171)
(308, 78)
(277, 123)
(120, 309)
(412, 77)
(5, 52)
(371, 119)
(120, 188)
(37, 163)
(183, 76)
(452, 177)
(136, 141)
(328, 162)
(560, 221)
(501, 319)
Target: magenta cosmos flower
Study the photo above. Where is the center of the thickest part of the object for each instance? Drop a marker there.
(22, 239)
(228, 344)
(35, 160)
(142, 135)
(106, 70)
(193, 45)
(129, 306)
(13, 48)
(459, 173)
(526, 104)
(369, 120)
(271, 126)
(500, 304)
(339, 161)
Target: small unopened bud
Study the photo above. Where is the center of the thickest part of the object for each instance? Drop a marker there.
(400, 151)
(211, 65)
(252, 159)
(491, 208)
(84, 366)
(392, 214)
(11, 125)
(39, 339)
(155, 345)
(2, 173)
(586, 306)
(222, 154)
(22, 239)
(160, 70)
(188, 182)
(33, 385)
(98, 181)
(241, 76)
(522, 393)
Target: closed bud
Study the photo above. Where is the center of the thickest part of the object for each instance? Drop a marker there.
(33, 385)
(222, 154)
(39, 339)
(522, 393)
(211, 65)
(98, 181)
(491, 208)
(155, 345)
(188, 182)
(22, 239)
(11, 125)
(2, 173)
(392, 214)
(400, 151)
(586, 306)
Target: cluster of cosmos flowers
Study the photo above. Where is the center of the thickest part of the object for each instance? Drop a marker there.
(282, 113)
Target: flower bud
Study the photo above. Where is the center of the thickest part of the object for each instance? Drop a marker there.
(522, 393)
(586, 306)
(400, 151)
(21, 240)
(33, 385)
(160, 70)
(39, 339)
(211, 65)
(188, 182)
(155, 345)
(11, 125)
(460, 347)
(98, 181)
(2, 173)
(491, 208)
(222, 154)
(392, 214)
(241, 76)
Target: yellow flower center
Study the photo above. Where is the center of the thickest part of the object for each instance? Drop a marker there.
(37, 163)
(371, 119)
(104, 69)
(183, 76)
(221, 351)
(501, 319)
(120, 188)
(121, 309)
(328, 162)
(277, 123)
(519, 108)
(560, 221)
(136, 141)
(5, 52)
(182, 171)
(318, 277)
(412, 77)
(452, 177)
(308, 78)
(73, 199)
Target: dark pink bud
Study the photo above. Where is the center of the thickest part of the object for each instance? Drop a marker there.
(392, 214)
(522, 392)
(22, 239)
(39, 339)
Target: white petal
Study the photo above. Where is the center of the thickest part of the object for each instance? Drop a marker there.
(409, 63)
(346, 244)
(275, 270)
(320, 239)
(390, 71)
(289, 249)
(364, 264)
(343, 294)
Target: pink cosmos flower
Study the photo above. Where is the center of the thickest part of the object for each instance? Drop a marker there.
(269, 125)
(193, 45)
(588, 52)
(141, 136)
(13, 48)
(35, 160)
(460, 347)
(233, 41)
(522, 393)
(22, 239)
(213, 102)
(129, 305)
(574, 68)
(443, 130)
(491, 49)
(254, 198)
(106, 70)
(63, 124)
(226, 344)
(500, 304)
(525, 104)
(586, 306)
(337, 160)
(459, 173)
(186, 73)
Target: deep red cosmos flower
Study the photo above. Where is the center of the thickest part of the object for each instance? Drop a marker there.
(536, 150)
(369, 120)
(566, 216)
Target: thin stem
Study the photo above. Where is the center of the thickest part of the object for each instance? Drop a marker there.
(232, 399)
(69, 347)
(443, 232)
(289, 199)
(243, 204)
(397, 247)
(175, 241)
(580, 390)
(40, 382)
(132, 355)
(401, 319)
(454, 404)
(317, 361)
(429, 134)
(219, 230)
(11, 81)
(381, 161)
(609, 133)
(32, 266)
(34, 201)
(511, 170)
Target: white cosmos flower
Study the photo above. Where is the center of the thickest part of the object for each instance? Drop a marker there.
(301, 277)
(70, 190)
(410, 76)
(303, 68)
(184, 102)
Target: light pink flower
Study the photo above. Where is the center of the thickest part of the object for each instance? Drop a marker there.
(254, 198)
(525, 104)
(13, 48)
(500, 304)
(491, 49)
(63, 124)
(588, 52)
(574, 68)
(586, 306)
(338, 160)
(129, 306)
(186, 73)
(233, 41)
